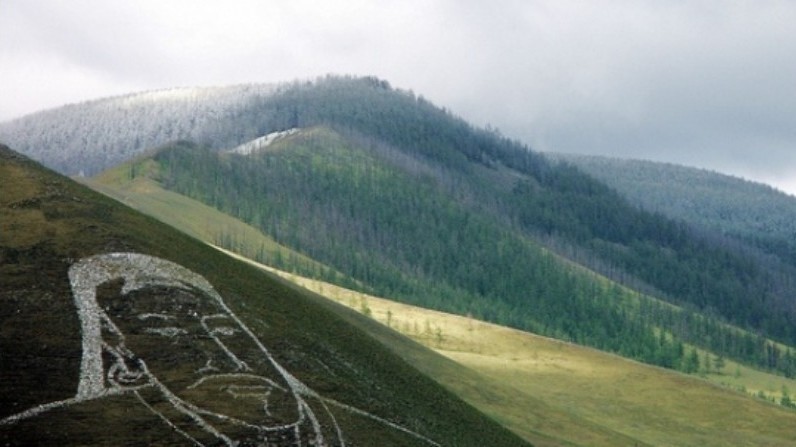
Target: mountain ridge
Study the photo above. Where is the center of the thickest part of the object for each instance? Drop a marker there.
(381, 190)
(84, 138)
(754, 212)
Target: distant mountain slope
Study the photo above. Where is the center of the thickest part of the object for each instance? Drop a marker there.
(107, 317)
(753, 212)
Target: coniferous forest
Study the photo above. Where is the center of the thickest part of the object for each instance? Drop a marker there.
(408, 201)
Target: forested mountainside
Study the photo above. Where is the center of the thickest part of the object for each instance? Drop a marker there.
(406, 235)
(116, 329)
(88, 137)
(413, 202)
(752, 212)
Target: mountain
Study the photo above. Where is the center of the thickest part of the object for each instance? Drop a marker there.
(87, 137)
(116, 329)
(397, 196)
(753, 213)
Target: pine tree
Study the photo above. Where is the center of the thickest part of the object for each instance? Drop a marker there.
(691, 362)
(718, 363)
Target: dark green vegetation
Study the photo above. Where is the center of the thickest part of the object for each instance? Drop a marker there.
(411, 202)
(745, 217)
(561, 394)
(47, 222)
(751, 213)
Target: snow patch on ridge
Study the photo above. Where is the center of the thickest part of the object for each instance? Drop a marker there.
(261, 143)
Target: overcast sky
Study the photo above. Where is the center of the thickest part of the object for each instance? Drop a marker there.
(698, 82)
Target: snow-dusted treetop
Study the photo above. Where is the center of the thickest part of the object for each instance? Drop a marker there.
(94, 135)
(258, 144)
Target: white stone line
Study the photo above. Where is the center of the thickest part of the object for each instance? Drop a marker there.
(207, 368)
(334, 421)
(167, 421)
(139, 271)
(189, 410)
(147, 316)
(170, 332)
(193, 410)
(379, 419)
(251, 376)
(240, 364)
(8, 420)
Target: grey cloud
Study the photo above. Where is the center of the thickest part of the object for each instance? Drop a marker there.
(703, 82)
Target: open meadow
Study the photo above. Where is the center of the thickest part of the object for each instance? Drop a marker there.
(555, 393)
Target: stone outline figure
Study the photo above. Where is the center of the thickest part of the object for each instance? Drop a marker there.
(108, 367)
(128, 373)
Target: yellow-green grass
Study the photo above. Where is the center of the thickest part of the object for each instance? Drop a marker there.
(556, 393)
(751, 381)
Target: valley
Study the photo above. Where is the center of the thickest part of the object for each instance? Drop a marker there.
(554, 393)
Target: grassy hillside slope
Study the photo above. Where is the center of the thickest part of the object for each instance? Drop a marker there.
(565, 209)
(590, 398)
(48, 223)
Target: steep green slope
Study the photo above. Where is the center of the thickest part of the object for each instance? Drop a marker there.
(399, 234)
(78, 368)
(196, 219)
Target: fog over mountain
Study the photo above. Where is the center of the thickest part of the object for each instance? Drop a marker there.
(702, 83)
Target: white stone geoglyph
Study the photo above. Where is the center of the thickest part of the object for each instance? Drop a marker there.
(101, 336)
